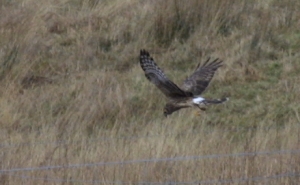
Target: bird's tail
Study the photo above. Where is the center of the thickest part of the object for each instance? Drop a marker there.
(216, 101)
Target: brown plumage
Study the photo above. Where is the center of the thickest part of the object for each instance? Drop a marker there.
(189, 94)
(199, 80)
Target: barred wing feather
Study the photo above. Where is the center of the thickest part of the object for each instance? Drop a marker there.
(199, 80)
(155, 75)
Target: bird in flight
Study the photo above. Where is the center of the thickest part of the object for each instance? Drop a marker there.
(189, 93)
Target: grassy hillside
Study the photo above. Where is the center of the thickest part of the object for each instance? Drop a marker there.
(70, 75)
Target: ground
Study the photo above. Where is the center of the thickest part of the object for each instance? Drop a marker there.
(72, 91)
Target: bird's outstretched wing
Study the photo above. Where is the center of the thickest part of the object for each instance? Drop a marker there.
(155, 75)
(199, 80)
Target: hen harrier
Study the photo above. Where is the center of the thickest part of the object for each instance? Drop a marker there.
(189, 94)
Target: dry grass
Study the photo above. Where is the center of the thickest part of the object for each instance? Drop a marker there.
(89, 51)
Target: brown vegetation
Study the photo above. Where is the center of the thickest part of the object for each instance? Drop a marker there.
(90, 49)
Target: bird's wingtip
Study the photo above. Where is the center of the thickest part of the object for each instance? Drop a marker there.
(144, 52)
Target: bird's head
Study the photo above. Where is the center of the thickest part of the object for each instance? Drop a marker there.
(170, 108)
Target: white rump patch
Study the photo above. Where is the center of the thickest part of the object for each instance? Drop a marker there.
(198, 100)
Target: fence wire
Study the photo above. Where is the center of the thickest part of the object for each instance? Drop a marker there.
(152, 160)
(218, 181)
(12, 172)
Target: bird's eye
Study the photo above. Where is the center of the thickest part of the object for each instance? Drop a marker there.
(165, 112)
